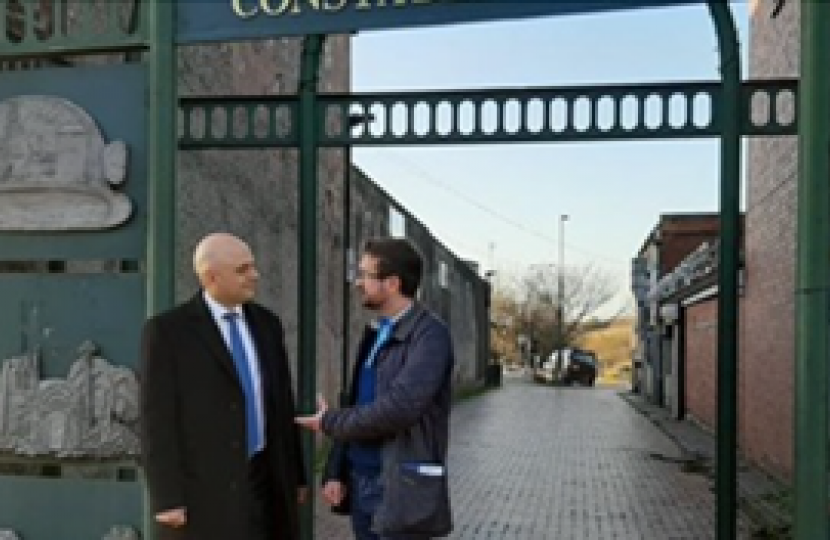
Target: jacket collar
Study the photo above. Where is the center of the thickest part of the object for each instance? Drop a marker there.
(406, 325)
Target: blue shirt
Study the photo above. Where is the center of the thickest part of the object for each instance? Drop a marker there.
(365, 456)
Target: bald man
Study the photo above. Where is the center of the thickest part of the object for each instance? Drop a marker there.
(221, 452)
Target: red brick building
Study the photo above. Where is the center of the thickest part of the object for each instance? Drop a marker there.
(689, 300)
(700, 348)
(671, 240)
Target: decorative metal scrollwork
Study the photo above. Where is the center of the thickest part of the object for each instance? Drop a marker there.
(661, 111)
(681, 110)
(239, 122)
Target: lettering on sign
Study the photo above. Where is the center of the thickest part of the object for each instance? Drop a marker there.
(201, 21)
(247, 9)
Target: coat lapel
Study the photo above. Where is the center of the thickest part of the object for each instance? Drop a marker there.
(205, 327)
(264, 348)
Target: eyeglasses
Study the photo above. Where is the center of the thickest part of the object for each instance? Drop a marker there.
(363, 275)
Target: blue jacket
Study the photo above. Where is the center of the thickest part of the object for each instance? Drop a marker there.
(409, 418)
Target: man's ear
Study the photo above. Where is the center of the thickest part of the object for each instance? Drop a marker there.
(396, 283)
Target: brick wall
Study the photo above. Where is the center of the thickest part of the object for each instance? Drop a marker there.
(767, 325)
(701, 322)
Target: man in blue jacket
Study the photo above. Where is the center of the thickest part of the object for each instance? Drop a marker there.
(388, 461)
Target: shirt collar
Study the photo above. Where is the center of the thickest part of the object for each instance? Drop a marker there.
(218, 310)
(393, 320)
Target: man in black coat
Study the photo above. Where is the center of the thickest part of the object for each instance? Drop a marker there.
(221, 452)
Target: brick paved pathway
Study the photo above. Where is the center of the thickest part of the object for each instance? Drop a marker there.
(529, 462)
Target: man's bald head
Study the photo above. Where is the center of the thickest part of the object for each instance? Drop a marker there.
(214, 248)
(225, 267)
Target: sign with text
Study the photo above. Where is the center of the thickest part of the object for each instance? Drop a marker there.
(238, 20)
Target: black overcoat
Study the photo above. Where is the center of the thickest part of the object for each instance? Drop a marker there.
(193, 423)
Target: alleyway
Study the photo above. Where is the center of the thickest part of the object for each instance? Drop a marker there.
(529, 462)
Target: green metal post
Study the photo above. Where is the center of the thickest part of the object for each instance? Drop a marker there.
(560, 302)
(347, 284)
(729, 118)
(309, 144)
(162, 142)
(161, 189)
(813, 271)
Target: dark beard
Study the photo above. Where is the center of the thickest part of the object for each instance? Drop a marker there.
(370, 305)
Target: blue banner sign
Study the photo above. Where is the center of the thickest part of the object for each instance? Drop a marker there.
(239, 20)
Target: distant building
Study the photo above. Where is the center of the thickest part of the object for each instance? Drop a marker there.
(671, 240)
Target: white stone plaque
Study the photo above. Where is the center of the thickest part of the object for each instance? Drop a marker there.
(56, 171)
(93, 412)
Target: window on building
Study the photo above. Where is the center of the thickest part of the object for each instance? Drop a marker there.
(397, 223)
(443, 275)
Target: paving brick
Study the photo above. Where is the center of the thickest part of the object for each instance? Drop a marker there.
(531, 462)
(765, 501)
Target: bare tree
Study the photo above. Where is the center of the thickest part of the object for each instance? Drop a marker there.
(587, 290)
(529, 306)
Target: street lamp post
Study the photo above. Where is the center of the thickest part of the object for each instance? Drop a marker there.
(560, 290)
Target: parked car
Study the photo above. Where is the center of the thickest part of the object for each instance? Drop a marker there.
(551, 362)
(582, 367)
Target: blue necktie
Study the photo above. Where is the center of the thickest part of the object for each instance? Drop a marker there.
(384, 331)
(246, 378)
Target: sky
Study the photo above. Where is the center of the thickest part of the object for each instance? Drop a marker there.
(500, 204)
